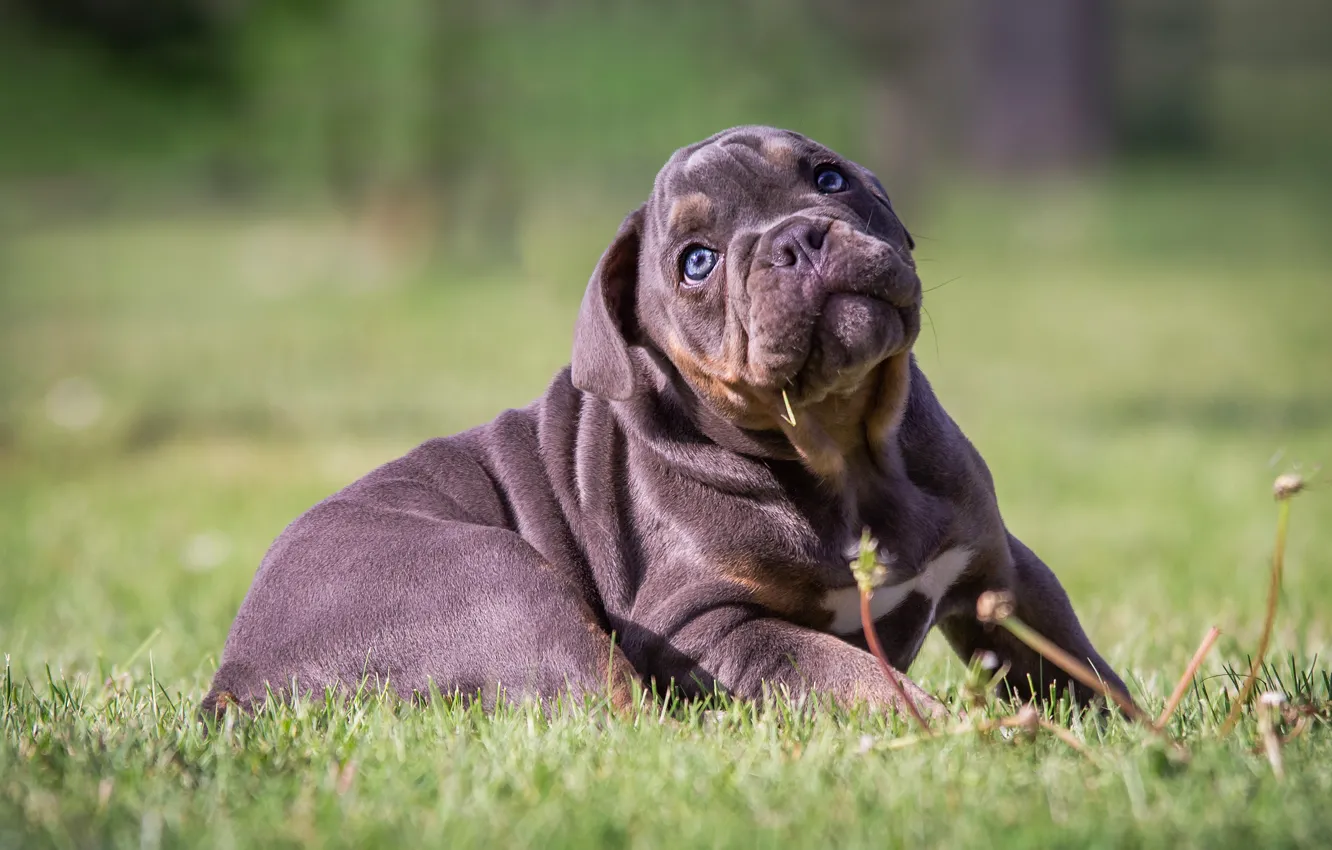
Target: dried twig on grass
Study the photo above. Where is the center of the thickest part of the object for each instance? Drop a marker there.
(986, 724)
(1027, 718)
(1067, 737)
(1269, 718)
(996, 607)
(1302, 724)
(1182, 687)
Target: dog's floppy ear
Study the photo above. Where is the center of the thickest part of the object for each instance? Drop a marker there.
(601, 362)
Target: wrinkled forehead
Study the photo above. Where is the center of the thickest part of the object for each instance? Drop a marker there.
(739, 173)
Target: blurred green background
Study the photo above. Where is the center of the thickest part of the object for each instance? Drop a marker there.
(249, 250)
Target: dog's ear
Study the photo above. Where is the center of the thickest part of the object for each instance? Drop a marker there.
(601, 362)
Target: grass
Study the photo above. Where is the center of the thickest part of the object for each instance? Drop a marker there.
(1130, 357)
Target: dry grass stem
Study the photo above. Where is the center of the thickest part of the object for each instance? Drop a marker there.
(997, 608)
(1016, 721)
(1067, 737)
(1269, 719)
(1182, 687)
(1027, 719)
(1283, 489)
(1302, 724)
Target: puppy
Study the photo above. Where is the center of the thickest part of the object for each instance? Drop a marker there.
(680, 507)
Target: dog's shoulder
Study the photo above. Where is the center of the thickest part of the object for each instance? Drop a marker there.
(937, 453)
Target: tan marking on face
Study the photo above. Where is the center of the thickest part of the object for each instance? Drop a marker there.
(718, 381)
(829, 431)
(780, 152)
(691, 212)
(784, 590)
(819, 451)
(890, 404)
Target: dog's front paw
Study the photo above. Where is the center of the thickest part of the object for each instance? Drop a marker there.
(881, 694)
(929, 707)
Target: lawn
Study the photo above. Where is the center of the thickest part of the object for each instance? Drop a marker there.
(1136, 358)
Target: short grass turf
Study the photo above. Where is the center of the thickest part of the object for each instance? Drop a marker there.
(1136, 359)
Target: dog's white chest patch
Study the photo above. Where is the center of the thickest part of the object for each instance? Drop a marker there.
(932, 582)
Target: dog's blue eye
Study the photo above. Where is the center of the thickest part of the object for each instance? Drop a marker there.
(698, 263)
(829, 180)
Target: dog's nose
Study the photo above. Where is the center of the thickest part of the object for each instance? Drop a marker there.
(799, 243)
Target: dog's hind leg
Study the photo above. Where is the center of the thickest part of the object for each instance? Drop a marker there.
(355, 593)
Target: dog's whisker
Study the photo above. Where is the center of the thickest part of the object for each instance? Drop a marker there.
(933, 332)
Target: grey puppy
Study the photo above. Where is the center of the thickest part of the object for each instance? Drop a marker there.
(656, 516)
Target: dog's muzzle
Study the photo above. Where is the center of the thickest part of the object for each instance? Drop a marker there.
(827, 302)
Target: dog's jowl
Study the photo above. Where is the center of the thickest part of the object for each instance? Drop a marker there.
(676, 509)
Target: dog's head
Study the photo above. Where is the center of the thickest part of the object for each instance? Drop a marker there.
(763, 264)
